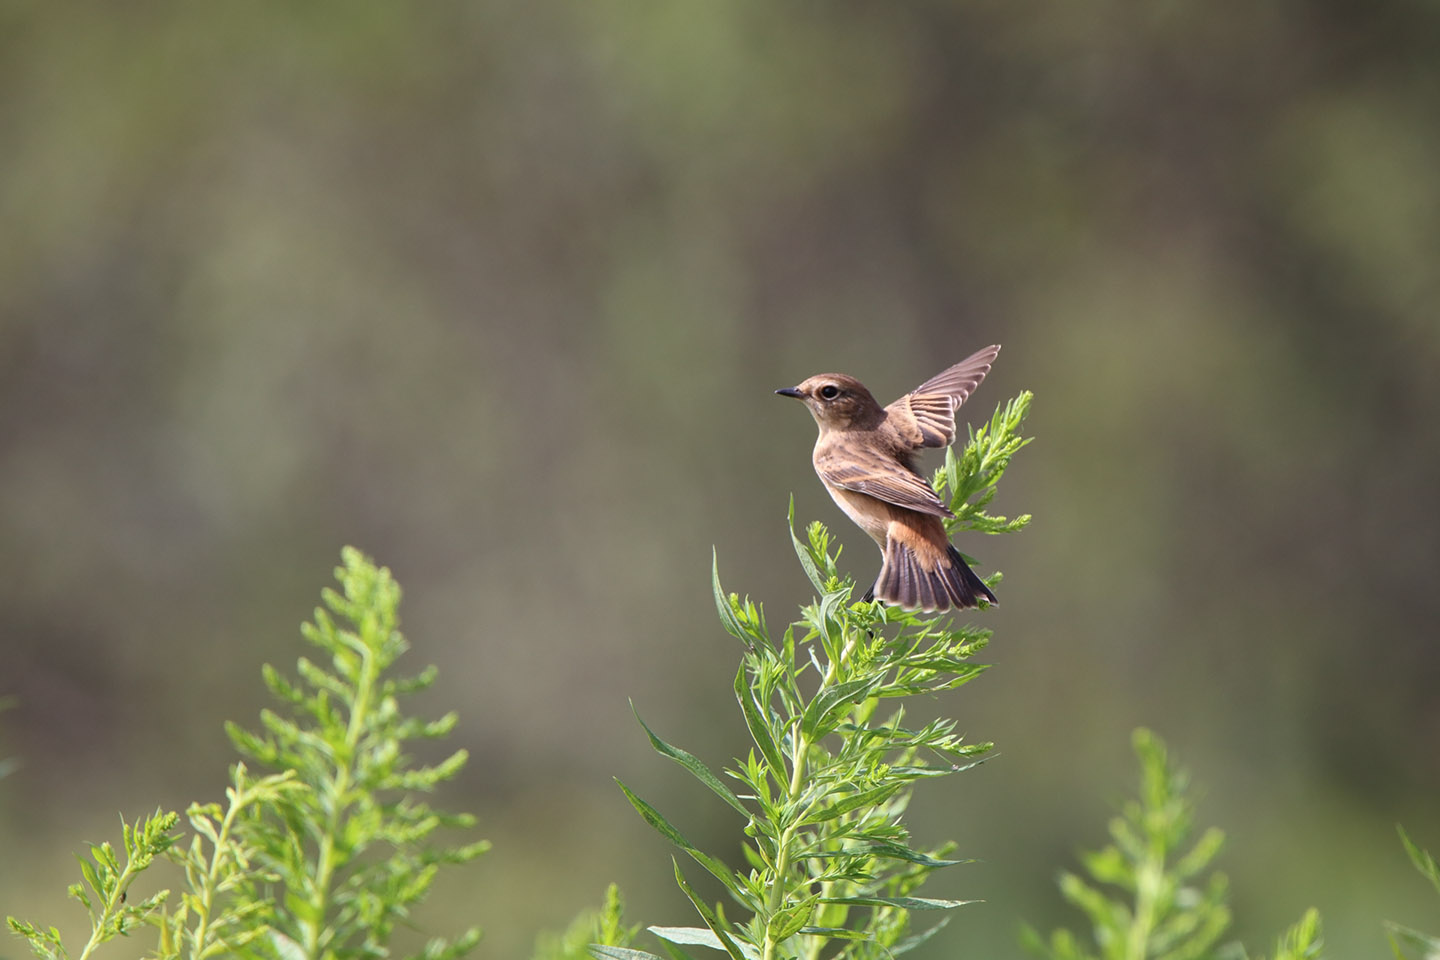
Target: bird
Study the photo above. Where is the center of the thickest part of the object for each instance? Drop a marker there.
(865, 457)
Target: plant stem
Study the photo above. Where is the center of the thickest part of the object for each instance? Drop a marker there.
(217, 857)
(339, 787)
(1147, 887)
(778, 890)
(113, 905)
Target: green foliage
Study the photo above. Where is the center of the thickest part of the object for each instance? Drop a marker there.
(1146, 898)
(1158, 912)
(346, 746)
(969, 480)
(823, 789)
(604, 927)
(1302, 941)
(219, 911)
(321, 858)
(105, 890)
(1408, 943)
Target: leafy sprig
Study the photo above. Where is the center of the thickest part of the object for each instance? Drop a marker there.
(969, 481)
(1159, 910)
(104, 890)
(831, 770)
(605, 928)
(345, 744)
(320, 859)
(219, 913)
(1407, 942)
(1302, 941)
(1151, 894)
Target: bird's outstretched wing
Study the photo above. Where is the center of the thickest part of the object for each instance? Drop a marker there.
(880, 477)
(925, 417)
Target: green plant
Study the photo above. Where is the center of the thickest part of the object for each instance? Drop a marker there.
(823, 788)
(1403, 939)
(1302, 941)
(605, 927)
(105, 891)
(219, 910)
(1148, 897)
(321, 858)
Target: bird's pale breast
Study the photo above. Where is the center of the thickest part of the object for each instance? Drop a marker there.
(871, 515)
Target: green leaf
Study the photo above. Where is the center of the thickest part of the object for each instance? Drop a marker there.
(1422, 860)
(711, 920)
(789, 921)
(905, 903)
(838, 933)
(653, 817)
(759, 729)
(815, 721)
(1411, 944)
(910, 943)
(898, 851)
(691, 763)
(286, 948)
(866, 798)
(603, 952)
(695, 936)
(803, 552)
(87, 870)
(722, 602)
(1201, 855)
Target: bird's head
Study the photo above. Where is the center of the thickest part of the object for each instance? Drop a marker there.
(837, 402)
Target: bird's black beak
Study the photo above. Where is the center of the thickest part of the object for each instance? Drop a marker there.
(790, 392)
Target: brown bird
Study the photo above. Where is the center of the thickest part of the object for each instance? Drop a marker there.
(865, 456)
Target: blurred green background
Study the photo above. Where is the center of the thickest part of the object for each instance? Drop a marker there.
(499, 292)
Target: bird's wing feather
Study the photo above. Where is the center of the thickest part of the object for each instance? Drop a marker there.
(925, 417)
(882, 478)
(961, 380)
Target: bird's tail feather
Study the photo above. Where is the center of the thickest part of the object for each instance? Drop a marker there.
(905, 582)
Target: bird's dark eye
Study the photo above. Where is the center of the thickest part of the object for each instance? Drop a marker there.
(829, 391)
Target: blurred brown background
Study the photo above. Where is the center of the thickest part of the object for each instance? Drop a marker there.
(498, 292)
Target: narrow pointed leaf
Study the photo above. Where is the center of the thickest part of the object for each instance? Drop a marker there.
(708, 915)
(896, 851)
(722, 602)
(666, 830)
(791, 920)
(864, 799)
(803, 552)
(1422, 860)
(604, 952)
(1403, 939)
(695, 936)
(905, 903)
(818, 711)
(837, 933)
(693, 764)
(910, 943)
(759, 729)
(87, 870)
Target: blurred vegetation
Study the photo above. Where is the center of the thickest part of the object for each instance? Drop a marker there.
(323, 858)
(1407, 942)
(1146, 896)
(499, 292)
